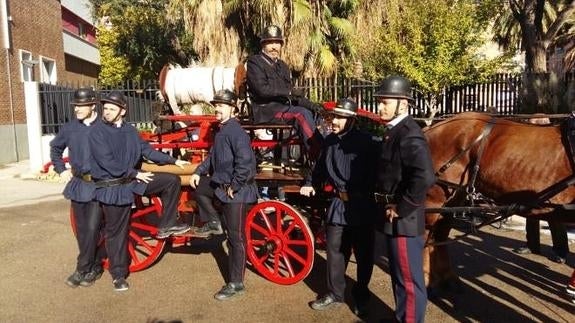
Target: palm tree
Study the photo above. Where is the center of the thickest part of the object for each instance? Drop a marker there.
(536, 26)
(317, 32)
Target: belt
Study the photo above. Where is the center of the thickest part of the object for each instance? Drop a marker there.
(85, 177)
(384, 199)
(111, 182)
(346, 196)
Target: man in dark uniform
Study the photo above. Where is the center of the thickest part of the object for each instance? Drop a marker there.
(347, 162)
(269, 84)
(405, 174)
(117, 150)
(231, 166)
(80, 190)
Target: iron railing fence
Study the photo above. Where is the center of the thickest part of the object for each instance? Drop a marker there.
(56, 108)
(500, 94)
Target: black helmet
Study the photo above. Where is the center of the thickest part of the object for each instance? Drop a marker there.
(117, 98)
(271, 33)
(345, 108)
(84, 96)
(225, 96)
(396, 87)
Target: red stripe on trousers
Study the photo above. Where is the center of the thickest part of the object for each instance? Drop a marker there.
(407, 281)
(300, 120)
(572, 281)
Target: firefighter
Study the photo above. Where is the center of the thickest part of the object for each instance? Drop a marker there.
(80, 189)
(117, 150)
(405, 174)
(273, 98)
(231, 166)
(347, 162)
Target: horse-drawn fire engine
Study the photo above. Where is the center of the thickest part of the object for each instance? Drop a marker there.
(282, 233)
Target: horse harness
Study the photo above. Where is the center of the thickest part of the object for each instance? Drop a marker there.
(504, 211)
(480, 140)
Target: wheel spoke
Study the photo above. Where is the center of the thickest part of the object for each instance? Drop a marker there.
(277, 264)
(289, 229)
(287, 262)
(258, 242)
(297, 242)
(279, 221)
(133, 254)
(143, 226)
(267, 222)
(261, 259)
(259, 228)
(143, 212)
(141, 241)
(295, 256)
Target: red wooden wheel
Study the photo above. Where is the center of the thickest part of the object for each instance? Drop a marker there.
(143, 247)
(280, 244)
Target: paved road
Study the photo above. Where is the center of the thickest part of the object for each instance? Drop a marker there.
(38, 251)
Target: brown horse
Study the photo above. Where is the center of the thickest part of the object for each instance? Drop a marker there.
(507, 162)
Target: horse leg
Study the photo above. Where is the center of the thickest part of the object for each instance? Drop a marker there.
(437, 265)
(442, 274)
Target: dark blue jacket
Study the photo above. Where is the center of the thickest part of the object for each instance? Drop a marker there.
(406, 170)
(74, 135)
(269, 87)
(268, 81)
(231, 161)
(348, 163)
(117, 152)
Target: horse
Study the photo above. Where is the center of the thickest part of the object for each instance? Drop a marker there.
(522, 168)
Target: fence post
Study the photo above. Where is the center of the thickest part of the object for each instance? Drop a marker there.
(33, 124)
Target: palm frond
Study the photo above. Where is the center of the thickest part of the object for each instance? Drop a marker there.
(341, 27)
(301, 13)
(326, 61)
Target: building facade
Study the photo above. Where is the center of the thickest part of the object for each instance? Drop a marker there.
(42, 41)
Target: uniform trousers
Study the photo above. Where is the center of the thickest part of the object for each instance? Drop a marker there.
(204, 197)
(406, 266)
(167, 187)
(233, 223)
(340, 241)
(301, 118)
(558, 236)
(116, 228)
(88, 220)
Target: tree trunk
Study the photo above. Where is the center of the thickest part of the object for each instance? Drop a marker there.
(535, 79)
(535, 94)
